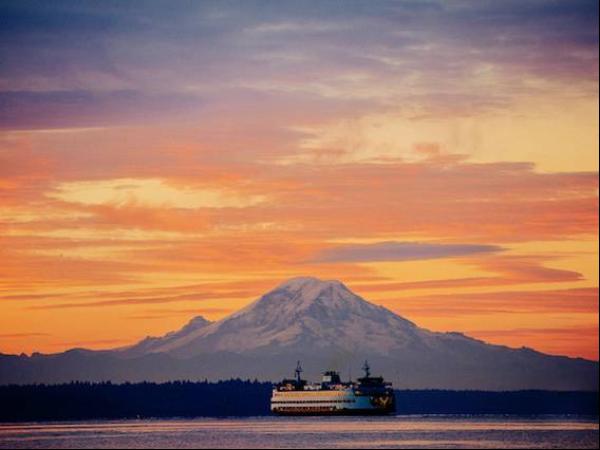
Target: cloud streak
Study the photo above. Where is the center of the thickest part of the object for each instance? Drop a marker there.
(400, 251)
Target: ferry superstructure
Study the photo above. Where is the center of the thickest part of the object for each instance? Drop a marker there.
(367, 396)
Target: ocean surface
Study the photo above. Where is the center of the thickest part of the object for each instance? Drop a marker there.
(335, 432)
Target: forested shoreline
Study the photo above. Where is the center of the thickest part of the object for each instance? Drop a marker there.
(87, 401)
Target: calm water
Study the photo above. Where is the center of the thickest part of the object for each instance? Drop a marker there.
(269, 432)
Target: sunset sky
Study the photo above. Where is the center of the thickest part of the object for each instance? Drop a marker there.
(162, 160)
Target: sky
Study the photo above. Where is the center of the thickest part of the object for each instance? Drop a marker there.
(166, 159)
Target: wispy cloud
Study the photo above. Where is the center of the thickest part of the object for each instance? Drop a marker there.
(197, 296)
(63, 109)
(22, 335)
(508, 270)
(400, 251)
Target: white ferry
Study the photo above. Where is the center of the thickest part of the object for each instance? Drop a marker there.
(368, 395)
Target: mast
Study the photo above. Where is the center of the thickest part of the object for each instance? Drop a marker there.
(367, 369)
(298, 372)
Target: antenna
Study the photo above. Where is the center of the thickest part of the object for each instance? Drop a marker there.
(298, 371)
(367, 369)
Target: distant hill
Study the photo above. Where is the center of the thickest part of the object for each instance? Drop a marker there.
(326, 326)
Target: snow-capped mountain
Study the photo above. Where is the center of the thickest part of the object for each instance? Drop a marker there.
(326, 326)
(300, 314)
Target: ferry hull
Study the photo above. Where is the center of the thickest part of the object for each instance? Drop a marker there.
(331, 403)
(335, 412)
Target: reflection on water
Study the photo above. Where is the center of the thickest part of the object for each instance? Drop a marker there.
(269, 432)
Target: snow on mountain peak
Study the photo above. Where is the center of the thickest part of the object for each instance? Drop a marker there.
(299, 283)
(305, 290)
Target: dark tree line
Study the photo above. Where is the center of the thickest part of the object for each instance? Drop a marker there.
(486, 402)
(81, 401)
